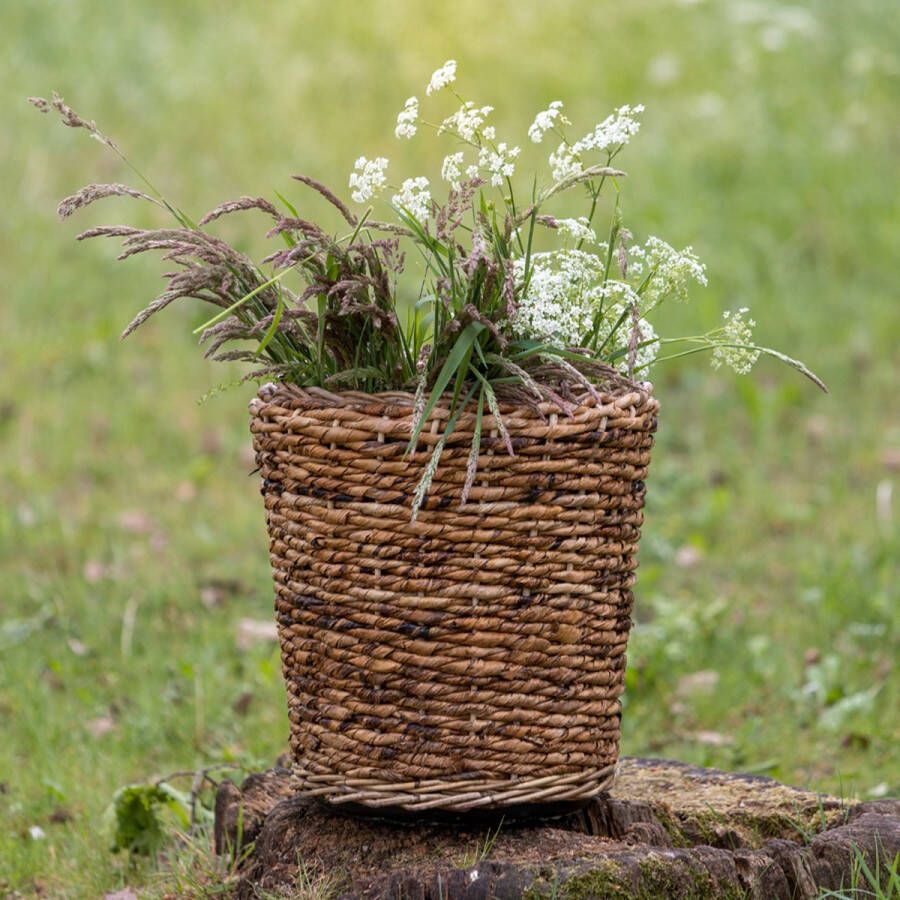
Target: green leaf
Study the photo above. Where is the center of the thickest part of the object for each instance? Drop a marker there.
(237, 303)
(286, 236)
(137, 819)
(288, 205)
(451, 365)
(273, 327)
(526, 280)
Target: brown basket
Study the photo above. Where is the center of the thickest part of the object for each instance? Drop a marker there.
(474, 658)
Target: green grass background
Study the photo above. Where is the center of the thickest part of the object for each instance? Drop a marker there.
(770, 552)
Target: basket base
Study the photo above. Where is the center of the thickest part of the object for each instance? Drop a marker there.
(519, 814)
(487, 799)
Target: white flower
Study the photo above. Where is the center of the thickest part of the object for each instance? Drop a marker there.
(467, 121)
(451, 170)
(673, 270)
(614, 131)
(546, 120)
(736, 330)
(441, 77)
(499, 163)
(567, 299)
(415, 198)
(565, 162)
(578, 229)
(563, 293)
(368, 178)
(406, 119)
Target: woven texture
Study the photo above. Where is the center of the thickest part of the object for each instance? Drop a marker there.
(473, 658)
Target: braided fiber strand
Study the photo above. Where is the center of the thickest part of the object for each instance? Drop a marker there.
(472, 658)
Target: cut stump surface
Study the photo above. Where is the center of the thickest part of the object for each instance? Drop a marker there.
(665, 830)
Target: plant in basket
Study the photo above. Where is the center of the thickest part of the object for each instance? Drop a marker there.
(453, 442)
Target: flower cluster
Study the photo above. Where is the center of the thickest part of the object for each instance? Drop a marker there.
(415, 198)
(733, 343)
(451, 170)
(467, 123)
(578, 229)
(564, 162)
(368, 179)
(614, 131)
(441, 77)
(563, 293)
(546, 120)
(672, 271)
(568, 301)
(610, 135)
(407, 118)
(498, 162)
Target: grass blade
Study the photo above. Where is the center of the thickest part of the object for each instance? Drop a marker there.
(276, 321)
(451, 365)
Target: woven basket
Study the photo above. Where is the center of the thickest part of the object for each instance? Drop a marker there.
(474, 658)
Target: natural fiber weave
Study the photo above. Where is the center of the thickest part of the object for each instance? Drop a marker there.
(473, 658)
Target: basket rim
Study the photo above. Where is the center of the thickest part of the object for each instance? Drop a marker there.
(635, 392)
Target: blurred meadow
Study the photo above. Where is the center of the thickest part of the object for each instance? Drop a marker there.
(132, 541)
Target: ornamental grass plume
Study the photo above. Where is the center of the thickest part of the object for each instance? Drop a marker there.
(506, 299)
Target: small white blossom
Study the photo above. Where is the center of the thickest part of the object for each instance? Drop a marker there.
(546, 120)
(415, 198)
(614, 131)
(563, 292)
(736, 330)
(673, 270)
(499, 163)
(565, 162)
(578, 229)
(619, 295)
(368, 179)
(407, 118)
(467, 121)
(441, 77)
(472, 171)
(451, 170)
(635, 257)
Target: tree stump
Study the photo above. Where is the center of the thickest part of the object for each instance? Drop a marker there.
(666, 830)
